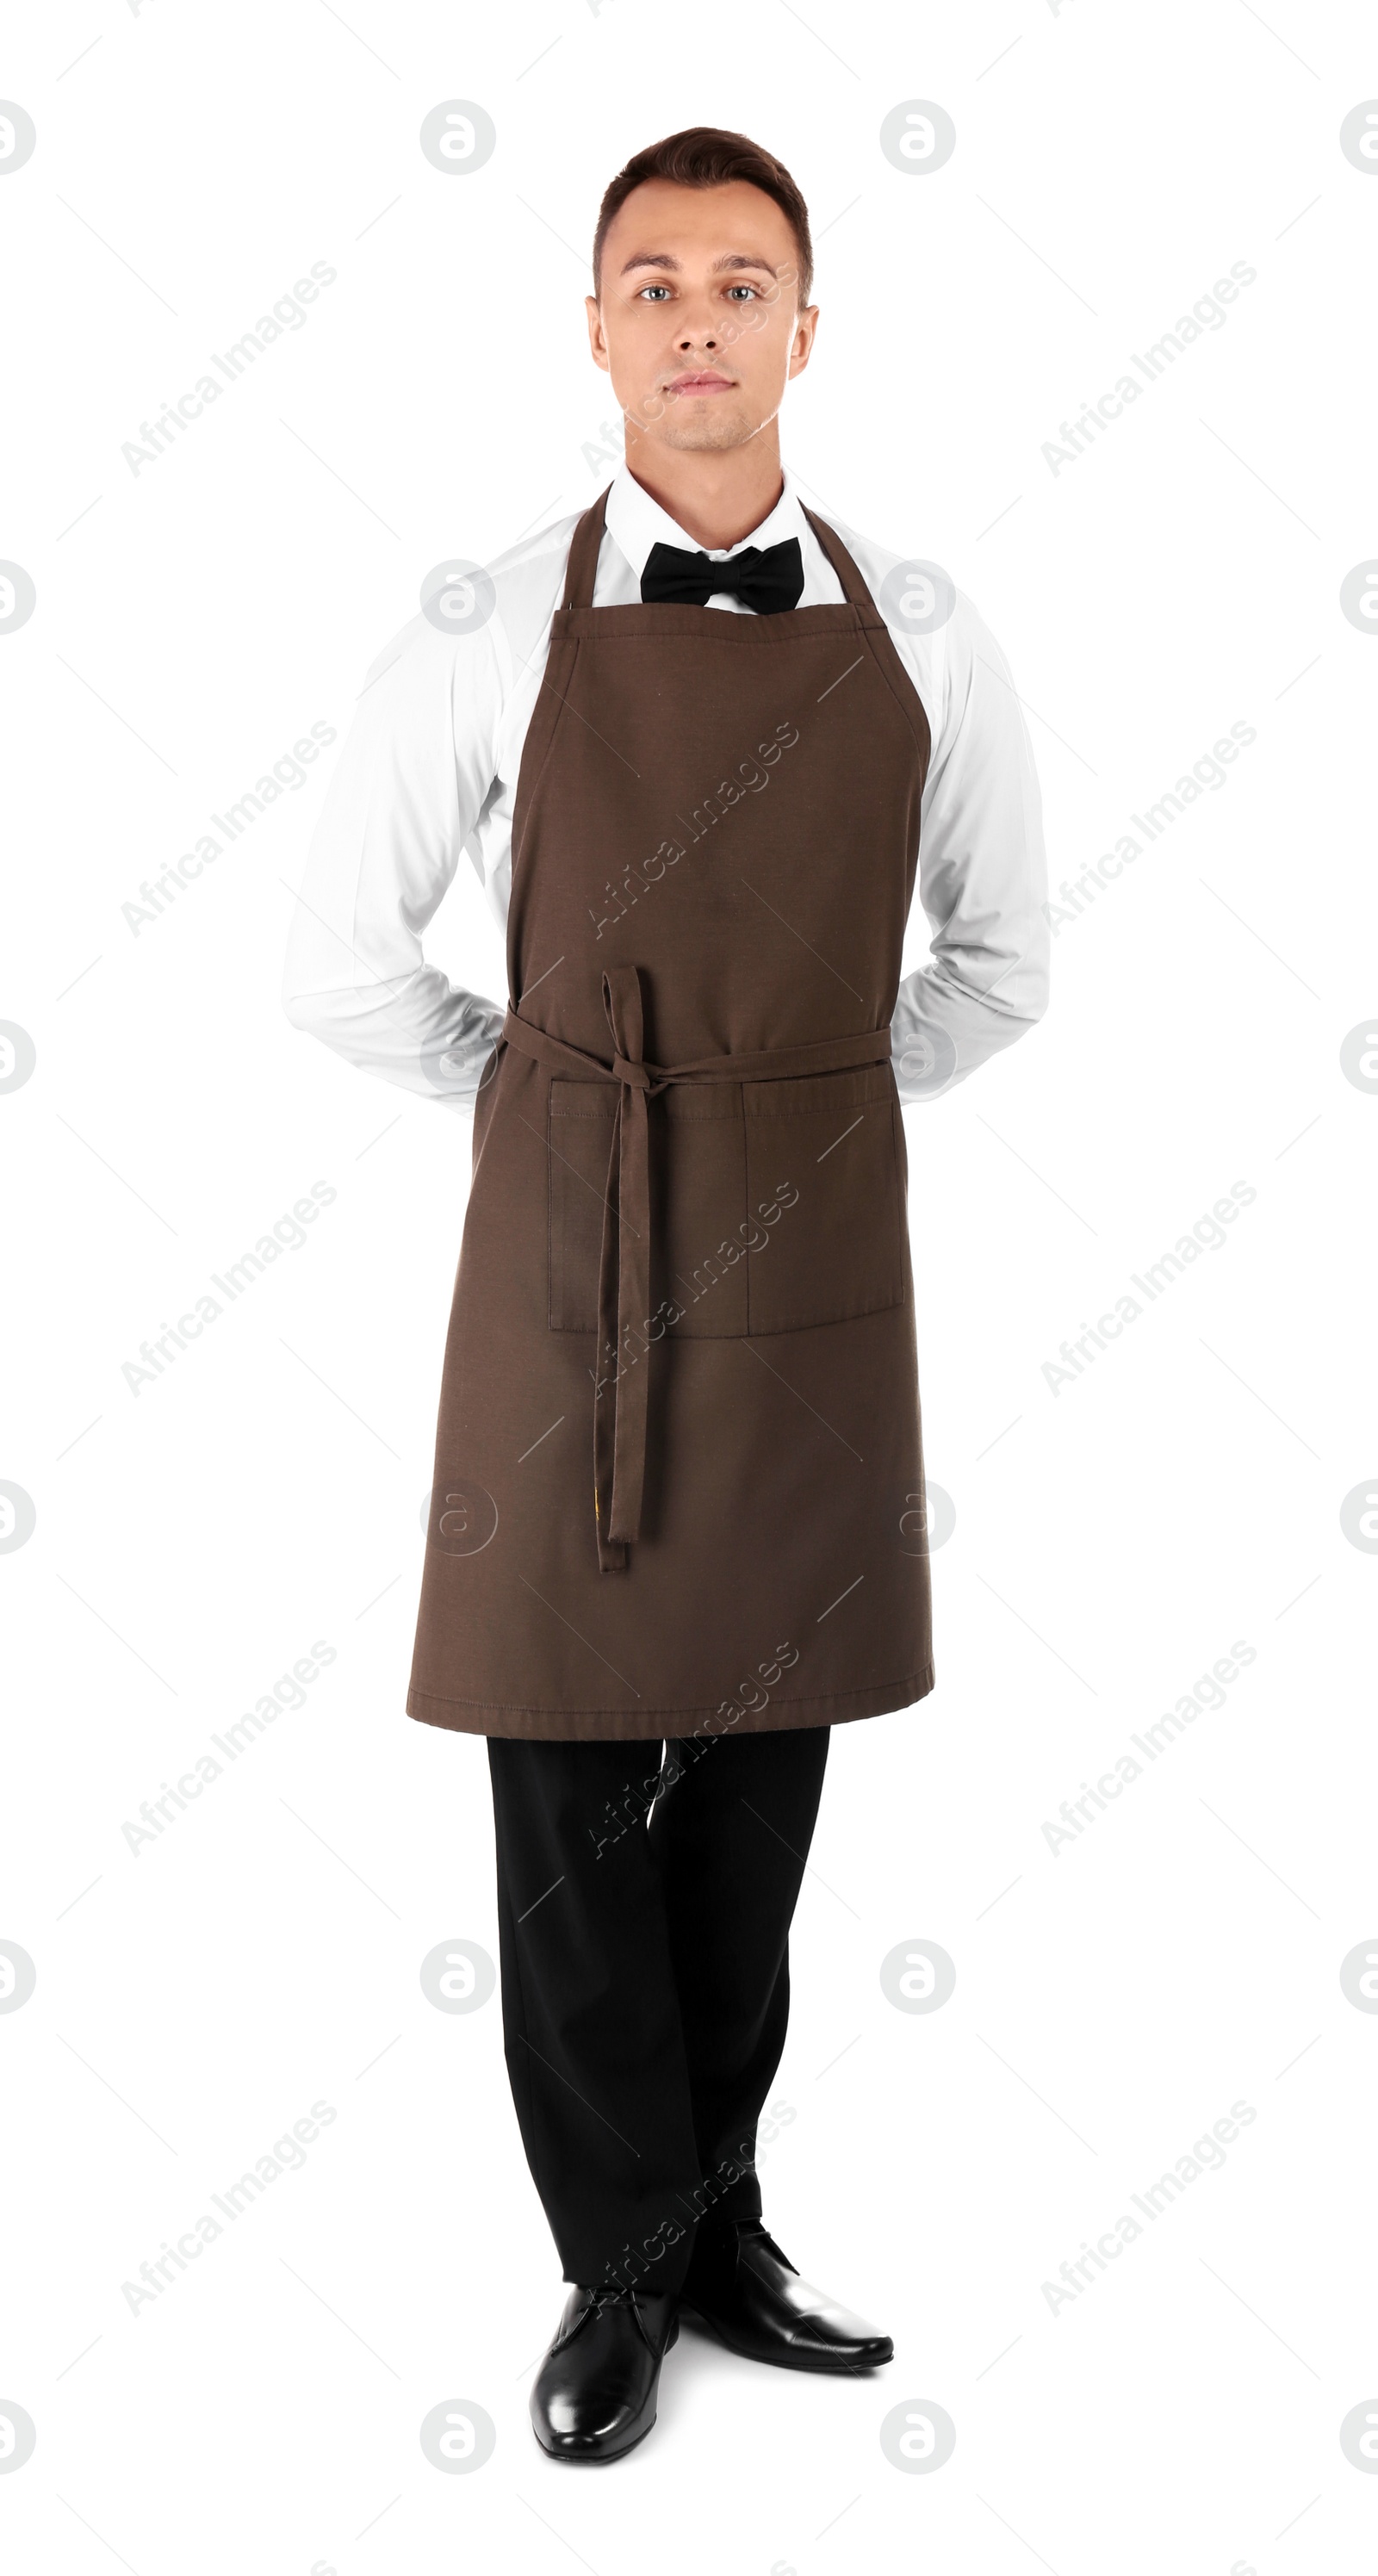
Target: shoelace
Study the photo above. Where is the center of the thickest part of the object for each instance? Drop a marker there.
(604, 2295)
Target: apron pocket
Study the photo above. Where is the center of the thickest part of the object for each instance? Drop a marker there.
(581, 1128)
(825, 1165)
(774, 1205)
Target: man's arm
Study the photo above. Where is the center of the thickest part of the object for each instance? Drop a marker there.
(982, 872)
(415, 769)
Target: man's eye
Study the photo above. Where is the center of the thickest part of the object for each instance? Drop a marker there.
(741, 289)
(655, 290)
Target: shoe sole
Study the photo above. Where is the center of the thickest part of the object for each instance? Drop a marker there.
(785, 2360)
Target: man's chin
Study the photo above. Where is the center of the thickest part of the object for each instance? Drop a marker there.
(713, 428)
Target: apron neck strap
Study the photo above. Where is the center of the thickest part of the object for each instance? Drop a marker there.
(844, 565)
(582, 566)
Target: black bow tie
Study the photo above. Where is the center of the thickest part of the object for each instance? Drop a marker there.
(764, 578)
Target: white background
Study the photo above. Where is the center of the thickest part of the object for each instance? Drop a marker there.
(1112, 1540)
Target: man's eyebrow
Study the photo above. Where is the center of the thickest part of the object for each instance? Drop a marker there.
(664, 259)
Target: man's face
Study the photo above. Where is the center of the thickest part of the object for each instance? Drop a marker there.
(698, 324)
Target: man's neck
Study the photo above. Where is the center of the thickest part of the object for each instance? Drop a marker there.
(717, 497)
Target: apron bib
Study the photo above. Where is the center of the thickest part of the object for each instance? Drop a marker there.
(678, 1471)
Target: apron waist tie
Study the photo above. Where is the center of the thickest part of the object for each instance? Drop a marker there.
(624, 1271)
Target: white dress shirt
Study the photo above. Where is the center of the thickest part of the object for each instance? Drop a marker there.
(428, 772)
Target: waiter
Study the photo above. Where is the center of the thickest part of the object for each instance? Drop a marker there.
(697, 741)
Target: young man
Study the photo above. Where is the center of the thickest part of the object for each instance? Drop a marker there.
(687, 738)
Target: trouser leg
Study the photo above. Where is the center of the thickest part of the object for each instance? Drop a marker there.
(730, 1835)
(591, 2023)
(645, 1977)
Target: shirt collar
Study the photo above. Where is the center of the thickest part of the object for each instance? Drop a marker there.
(635, 522)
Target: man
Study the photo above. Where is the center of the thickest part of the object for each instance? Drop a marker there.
(688, 739)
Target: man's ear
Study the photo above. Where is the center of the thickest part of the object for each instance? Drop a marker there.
(597, 345)
(805, 322)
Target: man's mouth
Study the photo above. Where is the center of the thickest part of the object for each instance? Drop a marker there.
(704, 383)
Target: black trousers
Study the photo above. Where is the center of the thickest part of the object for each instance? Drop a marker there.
(645, 1977)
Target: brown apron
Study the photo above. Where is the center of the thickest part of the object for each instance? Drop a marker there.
(678, 1471)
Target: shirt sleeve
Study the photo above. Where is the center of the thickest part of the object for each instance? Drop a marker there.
(982, 871)
(415, 769)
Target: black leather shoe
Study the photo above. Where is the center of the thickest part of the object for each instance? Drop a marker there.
(750, 2294)
(594, 2396)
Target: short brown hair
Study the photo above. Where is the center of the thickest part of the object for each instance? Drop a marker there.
(704, 156)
